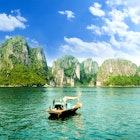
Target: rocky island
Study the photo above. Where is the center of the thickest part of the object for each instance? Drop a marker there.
(21, 65)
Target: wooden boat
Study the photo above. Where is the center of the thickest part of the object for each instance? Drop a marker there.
(62, 107)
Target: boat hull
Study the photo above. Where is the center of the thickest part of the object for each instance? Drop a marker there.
(63, 113)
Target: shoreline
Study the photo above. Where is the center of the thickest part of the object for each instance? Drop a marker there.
(14, 86)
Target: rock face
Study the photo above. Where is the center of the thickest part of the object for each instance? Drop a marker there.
(90, 66)
(16, 51)
(115, 67)
(37, 58)
(66, 70)
(89, 70)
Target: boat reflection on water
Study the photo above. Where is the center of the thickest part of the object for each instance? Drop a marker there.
(62, 108)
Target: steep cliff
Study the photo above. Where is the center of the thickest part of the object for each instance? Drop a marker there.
(66, 70)
(17, 51)
(115, 67)
(18, 59)
(21, 65)
(89, 70)
(37, 58)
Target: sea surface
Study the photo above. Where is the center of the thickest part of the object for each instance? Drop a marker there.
(106, 114)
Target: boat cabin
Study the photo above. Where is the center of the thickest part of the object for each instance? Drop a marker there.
(58, 105)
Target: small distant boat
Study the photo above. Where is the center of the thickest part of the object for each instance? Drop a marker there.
(63, 108)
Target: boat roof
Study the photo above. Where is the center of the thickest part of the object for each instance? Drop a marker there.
(59, 102)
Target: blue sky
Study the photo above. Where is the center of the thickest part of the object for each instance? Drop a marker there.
(97, 29)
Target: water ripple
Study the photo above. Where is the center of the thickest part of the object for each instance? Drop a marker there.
(107, 113)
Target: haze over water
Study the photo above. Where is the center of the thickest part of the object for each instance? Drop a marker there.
(107, 113)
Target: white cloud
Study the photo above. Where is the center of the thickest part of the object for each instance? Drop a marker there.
(116, 2)
(134, 14)
(68, 13)
(132, 3)
(98, 51)
(118, 15)
(77, 46)
(114, 24)
(119, 32)
(95, 10)
(132, 7)
(115, 27)
(10, 22)
(94, 29)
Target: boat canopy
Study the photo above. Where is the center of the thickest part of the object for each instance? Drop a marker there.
(69, 98)
(72, 98)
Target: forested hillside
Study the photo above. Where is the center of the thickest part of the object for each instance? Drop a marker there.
(21, 65)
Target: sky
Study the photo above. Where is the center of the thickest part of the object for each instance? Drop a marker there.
(97, 29)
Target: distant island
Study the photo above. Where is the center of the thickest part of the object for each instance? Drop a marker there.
(21, 65)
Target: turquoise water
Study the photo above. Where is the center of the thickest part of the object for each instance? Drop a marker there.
(107, 113)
